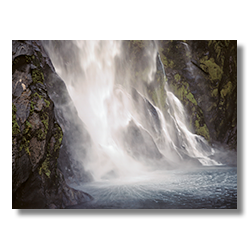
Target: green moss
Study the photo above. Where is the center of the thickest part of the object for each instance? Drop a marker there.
(180, 91)
(28, 126)
(226, 90)
(214, 92)
(44, 169)
(27, 59)
(32, 107)
(167, 62)
(41, 134)
(16, 60)
(201, 130)
(190, 97)
(218, 49)
(45, 120)
(209, 66)
(197, 124)
(234, 121)
(177, 77)
(15, 126)
(47, 103)
(37, 76)
(58, 137)
(25, 143)
(41, 98)
(36, 94)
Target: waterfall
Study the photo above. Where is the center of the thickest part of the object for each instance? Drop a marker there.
(195, 145)
(130, 133)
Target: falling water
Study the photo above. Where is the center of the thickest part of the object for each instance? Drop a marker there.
(111, 111)
(143, 155)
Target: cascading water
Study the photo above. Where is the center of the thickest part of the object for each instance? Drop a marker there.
(194, 145)
(131, 135)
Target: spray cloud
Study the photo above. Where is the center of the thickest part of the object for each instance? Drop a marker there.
(135, 125)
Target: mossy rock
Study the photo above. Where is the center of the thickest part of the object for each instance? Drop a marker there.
(37, 76)
(196, 120)
(158, 96)
(58, 136)
(214, 70)
(202, 130)
(15, 126)
(226, 90)
(177, 77)
(45, 168)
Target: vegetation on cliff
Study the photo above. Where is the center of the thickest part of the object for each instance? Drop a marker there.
(203, 75)
(36, 135)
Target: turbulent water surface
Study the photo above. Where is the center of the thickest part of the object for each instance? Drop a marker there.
(206, 187)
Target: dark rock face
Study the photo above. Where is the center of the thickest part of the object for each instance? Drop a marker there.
(203, 75)
(37, 182)
(140, 143)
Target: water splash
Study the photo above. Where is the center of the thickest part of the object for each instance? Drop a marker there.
(130, 134)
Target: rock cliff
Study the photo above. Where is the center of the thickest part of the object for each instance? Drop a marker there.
(37, 180)
(202, 74)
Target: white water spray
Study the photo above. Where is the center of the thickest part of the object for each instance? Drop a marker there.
(114, 119)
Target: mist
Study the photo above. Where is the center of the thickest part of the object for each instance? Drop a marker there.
(131, 132)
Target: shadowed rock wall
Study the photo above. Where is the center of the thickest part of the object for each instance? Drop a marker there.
(37, 182)
(202, 74)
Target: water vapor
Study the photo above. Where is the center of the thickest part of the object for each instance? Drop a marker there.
(131, 131)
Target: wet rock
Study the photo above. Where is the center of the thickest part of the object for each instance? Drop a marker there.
(39, 105)
(14, 150)
(35, 121)
(31, 195)
(52, 144)
(139, 143)
(212, 88)
(20, 48)
(37, 181)
(23, 110)
(21, 171)
(76, 142)
(17, 88)
(37, 150)
(20, 81)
